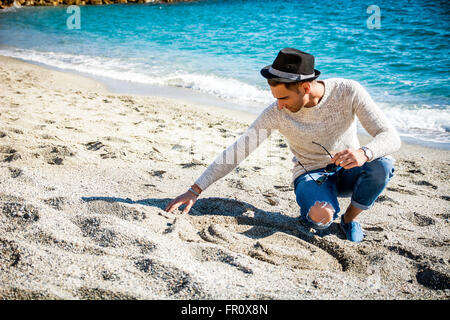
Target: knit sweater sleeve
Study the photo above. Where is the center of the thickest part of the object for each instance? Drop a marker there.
(386, 139)
(230, 158)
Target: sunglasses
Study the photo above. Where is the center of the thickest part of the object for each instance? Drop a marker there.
(329, 169)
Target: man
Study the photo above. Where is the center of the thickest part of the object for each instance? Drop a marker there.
(317, 118)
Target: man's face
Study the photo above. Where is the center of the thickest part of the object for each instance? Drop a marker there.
(292, 99)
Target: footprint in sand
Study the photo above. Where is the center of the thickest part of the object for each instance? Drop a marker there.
(410, 167)
(56, 202)
(426, 275)
(107, 153)
(193, 163)
(55, 155)
(15, 130)
(236, 184)
(421, 220)
(145, 246)
(157, 173)
(109, 276)
(402, 191)
(127, 99)
(94, 145)
(427, 242)
(117, 209)
(48, 137)
(10, 254)
(104, 237)
(10, 154)
(171, 280)
(389, 200)
(433, 279)
(25, 294)
(406, 253)
(284, 188)
(18, 212)
(425, 183)
(15, 172)
(214, 254)
(85, 293)
(52, 238)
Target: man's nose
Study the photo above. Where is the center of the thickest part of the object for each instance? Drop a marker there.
(281, 105)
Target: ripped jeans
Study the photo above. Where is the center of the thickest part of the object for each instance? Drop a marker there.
(363, 184)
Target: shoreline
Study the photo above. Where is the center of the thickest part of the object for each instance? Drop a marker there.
(85, 175)
(115, 86)
(199, 100)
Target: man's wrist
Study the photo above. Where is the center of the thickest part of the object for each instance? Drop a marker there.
(367, 152)
(196, 188)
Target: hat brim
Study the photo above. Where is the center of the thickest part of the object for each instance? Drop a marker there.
(266, 74)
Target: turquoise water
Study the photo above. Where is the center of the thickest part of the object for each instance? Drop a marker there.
(218, 48)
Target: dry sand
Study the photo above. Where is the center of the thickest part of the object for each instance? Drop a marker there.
(85, 175)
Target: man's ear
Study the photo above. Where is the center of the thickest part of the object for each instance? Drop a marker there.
(305, 87)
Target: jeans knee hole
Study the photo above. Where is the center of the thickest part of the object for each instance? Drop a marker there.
(325, 218)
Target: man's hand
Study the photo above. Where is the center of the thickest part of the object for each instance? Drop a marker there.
(186, 198)
(349, 158)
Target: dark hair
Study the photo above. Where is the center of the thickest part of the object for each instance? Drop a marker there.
(288, 85)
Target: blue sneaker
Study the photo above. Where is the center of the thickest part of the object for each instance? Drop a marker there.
(352, 230)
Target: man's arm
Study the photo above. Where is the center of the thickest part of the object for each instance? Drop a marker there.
(385, 137)
(230, 158)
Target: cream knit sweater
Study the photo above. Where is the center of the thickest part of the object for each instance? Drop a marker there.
(331, 123)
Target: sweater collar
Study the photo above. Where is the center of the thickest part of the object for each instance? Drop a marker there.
(323, 99)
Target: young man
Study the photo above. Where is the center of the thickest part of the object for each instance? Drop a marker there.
(318, 120)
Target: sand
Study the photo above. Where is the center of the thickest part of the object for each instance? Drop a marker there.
(85, 175)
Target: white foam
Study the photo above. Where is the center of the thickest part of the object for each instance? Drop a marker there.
(226, 88)
(421, 122)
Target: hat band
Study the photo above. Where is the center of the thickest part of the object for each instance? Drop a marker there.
(291, 76)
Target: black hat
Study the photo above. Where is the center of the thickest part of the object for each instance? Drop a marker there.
(291, 65)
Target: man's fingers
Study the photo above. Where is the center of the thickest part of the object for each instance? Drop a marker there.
(346, 161)
(336, 159)
(171, 203)
(168, 205)
(188, 207)
(339, 155)
(350, 165)
(175, 206)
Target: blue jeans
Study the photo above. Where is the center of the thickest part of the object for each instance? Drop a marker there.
(363, 184)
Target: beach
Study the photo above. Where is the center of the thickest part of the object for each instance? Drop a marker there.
(85, 175)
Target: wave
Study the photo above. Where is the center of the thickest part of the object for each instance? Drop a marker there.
(421, 122)
(228, 89)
